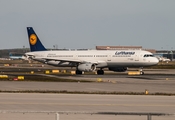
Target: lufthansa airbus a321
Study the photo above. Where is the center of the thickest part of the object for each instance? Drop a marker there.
(89, 60)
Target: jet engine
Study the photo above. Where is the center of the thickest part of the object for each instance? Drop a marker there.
(87, 67)
(118, 69)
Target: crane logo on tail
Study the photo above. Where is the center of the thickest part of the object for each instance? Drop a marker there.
(33, 39)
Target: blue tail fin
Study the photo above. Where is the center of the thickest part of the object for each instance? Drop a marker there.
(35, 43)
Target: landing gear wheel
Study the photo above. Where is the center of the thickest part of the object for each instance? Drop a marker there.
(141, 73)
(100, 72)
(78, 72)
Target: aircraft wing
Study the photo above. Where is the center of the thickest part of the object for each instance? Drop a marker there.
(71, 61)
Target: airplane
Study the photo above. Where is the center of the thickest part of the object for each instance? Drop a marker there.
(163, 59)
(89, 60)
(17, 56)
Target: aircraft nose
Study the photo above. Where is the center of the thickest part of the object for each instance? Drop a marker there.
(155, 61)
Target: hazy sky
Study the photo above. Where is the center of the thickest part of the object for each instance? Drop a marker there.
(88, 23)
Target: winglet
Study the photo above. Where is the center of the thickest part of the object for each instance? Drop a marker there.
(34, 41)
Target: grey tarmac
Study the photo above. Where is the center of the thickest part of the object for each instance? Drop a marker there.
(128, 84)
(36, 106)
(44, 106)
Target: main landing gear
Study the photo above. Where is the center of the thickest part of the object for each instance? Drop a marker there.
(78, 72)
(100, 72)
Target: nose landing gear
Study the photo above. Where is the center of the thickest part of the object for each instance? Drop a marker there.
(141, 71)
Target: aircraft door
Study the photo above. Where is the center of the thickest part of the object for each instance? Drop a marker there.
(109, 58)
(137, 57)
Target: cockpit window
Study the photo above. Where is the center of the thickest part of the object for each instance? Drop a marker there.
(148, 55)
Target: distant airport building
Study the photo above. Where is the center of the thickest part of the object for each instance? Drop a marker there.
(117, 47)
(124, 48)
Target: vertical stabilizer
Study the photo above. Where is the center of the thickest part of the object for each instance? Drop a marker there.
(34, 41)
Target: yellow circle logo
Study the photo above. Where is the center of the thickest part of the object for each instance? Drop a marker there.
(33, 39)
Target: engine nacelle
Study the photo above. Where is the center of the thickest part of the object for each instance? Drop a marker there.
(55, 63)
(118, 69)
(87, 67)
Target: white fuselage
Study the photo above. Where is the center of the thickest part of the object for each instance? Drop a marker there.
(102, 58)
